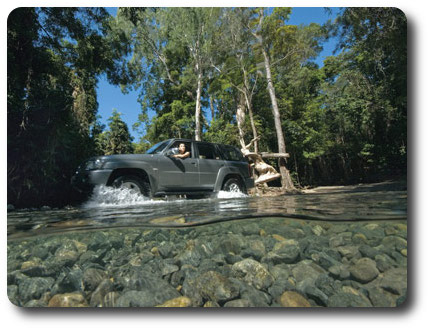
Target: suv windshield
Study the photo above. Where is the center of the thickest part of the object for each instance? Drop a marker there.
(158, 148)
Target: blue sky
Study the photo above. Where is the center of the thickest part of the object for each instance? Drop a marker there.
(110, 97)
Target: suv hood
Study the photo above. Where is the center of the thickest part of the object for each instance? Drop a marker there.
(123, 157)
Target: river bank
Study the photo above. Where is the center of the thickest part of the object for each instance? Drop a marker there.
(389, 185)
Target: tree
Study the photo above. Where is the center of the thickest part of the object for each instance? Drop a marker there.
(169, 48)
(366, 90)
(54, 57)
(194, 28)
(99, 137)
(234, 62)
(118, 139)
(263, 27)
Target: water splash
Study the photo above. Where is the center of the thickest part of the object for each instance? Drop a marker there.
(103, 196)
(229, 194)
(109, 196)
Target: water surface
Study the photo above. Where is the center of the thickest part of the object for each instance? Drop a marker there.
(116, 208)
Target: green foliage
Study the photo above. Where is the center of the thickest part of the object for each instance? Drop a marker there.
(365, 90)
(52, 69)
(179, 122)
(345, 122)
(221, 131)
(117, 139)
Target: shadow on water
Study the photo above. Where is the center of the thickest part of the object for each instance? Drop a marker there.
(116, 208)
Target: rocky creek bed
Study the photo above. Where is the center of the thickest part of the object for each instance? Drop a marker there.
(265, 262)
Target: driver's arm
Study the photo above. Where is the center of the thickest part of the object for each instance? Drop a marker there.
(185, 155)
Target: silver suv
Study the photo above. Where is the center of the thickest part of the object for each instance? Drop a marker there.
(208, 168)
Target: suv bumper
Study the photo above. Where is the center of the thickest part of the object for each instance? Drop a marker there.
(85, 181)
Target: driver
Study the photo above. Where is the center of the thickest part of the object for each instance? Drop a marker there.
(182, 152)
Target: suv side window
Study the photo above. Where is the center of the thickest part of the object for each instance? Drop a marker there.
(207, 151)
(231, 153)
(187, 147)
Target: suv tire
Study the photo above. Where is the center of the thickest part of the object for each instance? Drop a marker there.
(233, 185)
(133, 183)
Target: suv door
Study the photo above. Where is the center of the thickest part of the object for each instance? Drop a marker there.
(177, 174)
(210, 162)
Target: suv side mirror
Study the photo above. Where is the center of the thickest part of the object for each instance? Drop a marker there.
(173, 151)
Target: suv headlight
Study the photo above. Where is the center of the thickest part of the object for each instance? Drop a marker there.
(95, 164)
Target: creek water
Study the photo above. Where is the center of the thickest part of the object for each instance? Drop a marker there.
(337, 246)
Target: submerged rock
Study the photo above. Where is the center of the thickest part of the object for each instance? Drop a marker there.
(293, 299)
(394, 281)
(384, 262)
(176, 302)
(225, 264)
(33, 287)
(146, 297)
(256, 250)
(211, 304)
(69, 281)
(343, 299)
(238, 303)
(68, 300)
(230, 244)
(307, 270)
(213, 286)
(190, 255)
(280, 286)
(12, 293)
(97, 297)
(92, 277)
(253, 273)
(286, 251)
(364, 270)
(110, 299)
(34, 268)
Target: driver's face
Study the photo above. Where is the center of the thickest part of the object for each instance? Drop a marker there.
(182, 148)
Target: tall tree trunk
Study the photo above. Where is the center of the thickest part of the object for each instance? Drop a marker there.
(248, 97)
(198, 103)
(287, 183)
(240, 119)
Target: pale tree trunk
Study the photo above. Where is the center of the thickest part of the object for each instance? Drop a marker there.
(248, 99)
(251, 118)
(198, 103)
(240, 119)
(287, 183)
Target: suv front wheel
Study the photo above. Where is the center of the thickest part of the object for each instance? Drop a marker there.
(133, 183)
(233, 185)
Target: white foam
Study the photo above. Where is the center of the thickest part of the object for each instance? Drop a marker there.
(229, 194)
(109, 196)
(103, 196)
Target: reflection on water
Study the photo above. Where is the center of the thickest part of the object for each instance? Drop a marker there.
(109, 208)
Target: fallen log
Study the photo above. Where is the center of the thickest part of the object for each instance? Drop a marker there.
(274, 155)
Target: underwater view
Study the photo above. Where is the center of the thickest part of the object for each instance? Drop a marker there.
(340, 246)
